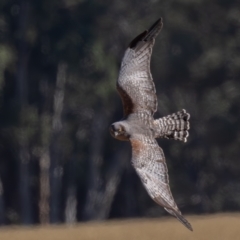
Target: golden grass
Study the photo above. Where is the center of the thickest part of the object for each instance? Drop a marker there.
(214, 227)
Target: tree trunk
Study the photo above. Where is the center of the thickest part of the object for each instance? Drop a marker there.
(94, 181)
(2, 207)
(24, 188)
(71, 206)
(44, 158)
(112, 181)
(44, 188)
(71, 199)
(56, 170)
(24, 157)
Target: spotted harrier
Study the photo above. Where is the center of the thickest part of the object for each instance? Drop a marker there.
(137, 91)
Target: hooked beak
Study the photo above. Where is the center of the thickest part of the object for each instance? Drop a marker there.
(112, 131)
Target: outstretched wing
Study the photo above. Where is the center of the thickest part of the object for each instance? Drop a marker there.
(135, 84)
(149, 161)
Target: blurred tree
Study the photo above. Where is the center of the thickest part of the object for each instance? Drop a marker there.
(2, 209)
(22, 101)
(56, 170)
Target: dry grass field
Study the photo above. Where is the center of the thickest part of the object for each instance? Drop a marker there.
(214, 227)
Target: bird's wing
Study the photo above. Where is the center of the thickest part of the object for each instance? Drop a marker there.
(149, 161)
(135, 84)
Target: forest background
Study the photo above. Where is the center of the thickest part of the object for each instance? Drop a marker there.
(59, 62)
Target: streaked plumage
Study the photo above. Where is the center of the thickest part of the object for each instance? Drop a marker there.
(137, 90)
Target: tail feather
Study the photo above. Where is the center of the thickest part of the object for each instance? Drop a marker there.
(174, 126)
(180, 218)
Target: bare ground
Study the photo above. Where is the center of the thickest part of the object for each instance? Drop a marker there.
(214, 227)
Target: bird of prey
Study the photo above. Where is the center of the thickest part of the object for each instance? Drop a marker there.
(137, 91)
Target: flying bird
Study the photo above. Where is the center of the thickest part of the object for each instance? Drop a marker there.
(137, 91)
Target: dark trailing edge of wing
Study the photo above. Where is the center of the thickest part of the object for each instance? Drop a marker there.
(140, 37)
(128, 105)
(147, 34)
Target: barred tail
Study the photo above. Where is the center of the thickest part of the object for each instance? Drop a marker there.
(174, 126)
(180, 218)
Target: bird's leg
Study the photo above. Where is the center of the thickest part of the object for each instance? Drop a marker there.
(174, 126)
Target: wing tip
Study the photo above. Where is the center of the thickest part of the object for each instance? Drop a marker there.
(159, 23)
(134, 42)
(184, 221)
(148, 34)
(180, 218)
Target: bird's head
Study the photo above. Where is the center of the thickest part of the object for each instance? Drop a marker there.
(119, 130)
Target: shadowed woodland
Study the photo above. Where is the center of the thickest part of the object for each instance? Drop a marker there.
(59, 62)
